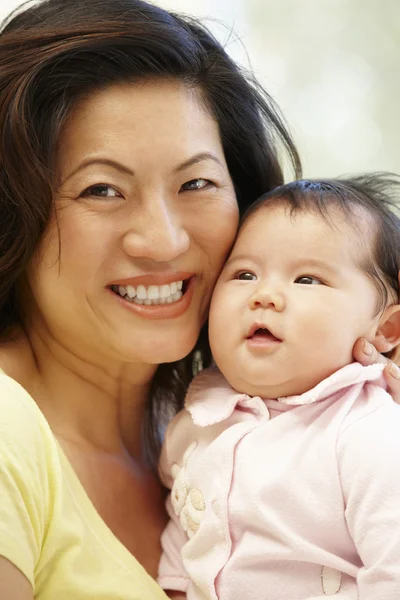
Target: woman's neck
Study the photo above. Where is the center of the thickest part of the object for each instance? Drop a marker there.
(88, 401)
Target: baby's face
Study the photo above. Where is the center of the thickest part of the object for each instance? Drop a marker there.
(290, 303)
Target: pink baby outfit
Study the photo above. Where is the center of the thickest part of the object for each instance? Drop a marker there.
(300, 507)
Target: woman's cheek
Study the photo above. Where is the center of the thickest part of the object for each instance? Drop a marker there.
(220, 232)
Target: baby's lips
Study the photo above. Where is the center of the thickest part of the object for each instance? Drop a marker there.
(261, 327)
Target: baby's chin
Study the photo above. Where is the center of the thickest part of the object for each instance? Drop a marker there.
(276, 390)
(276, 387)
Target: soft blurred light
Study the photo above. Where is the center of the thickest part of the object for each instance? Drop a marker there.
(332, 65)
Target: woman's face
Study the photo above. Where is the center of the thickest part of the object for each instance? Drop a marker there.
(145, 214)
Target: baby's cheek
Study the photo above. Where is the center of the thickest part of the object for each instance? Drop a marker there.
(218, 318)
(332, 344)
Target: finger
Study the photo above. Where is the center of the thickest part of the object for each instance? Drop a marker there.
(395, 355)
(392, 376)
(366, 354)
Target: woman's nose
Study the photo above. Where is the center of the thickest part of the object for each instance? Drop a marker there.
(156, 233)
(267, 298)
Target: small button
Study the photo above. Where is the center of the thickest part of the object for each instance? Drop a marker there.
(331, 580)
(216, 506)
(196, 499)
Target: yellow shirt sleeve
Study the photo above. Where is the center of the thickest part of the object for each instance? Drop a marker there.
(49, 529)
(24, 480)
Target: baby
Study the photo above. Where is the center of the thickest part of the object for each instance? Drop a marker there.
(284, 466)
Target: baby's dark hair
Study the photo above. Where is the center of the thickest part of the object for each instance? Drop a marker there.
(371, 202)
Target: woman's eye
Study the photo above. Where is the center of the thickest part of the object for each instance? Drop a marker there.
(196, 184)
(101, 190)
(245, 276)
(308, 280)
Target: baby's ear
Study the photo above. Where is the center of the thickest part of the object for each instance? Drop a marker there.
(388, 334)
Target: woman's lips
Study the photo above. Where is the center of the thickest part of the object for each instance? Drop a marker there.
(153, 279)
(159, 311)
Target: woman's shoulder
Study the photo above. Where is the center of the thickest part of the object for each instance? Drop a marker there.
(24, 430)
(17, 372)
(27, 475)
(16, 404)
(25, 436)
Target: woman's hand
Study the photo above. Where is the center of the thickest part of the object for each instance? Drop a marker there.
(366, 354)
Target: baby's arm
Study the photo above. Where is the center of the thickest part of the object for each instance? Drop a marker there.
(172, 575)
(369, 464)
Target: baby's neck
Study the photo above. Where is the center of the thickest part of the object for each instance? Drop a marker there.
(283, 389)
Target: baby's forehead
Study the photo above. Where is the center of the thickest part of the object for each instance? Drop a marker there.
(352, 229)
(354, 218)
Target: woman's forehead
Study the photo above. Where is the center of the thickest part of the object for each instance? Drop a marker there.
(150, 97)
(162, 116)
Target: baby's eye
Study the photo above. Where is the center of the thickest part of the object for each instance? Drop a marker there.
(196, 184)
(308, 280)
(101, 190)
(245, 276)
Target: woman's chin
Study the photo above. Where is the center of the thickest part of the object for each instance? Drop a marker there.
(159, 350)
(173, 354)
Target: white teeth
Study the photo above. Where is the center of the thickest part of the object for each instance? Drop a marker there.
(141, 292)
(130, 290)
(165, 291)
(153, 292)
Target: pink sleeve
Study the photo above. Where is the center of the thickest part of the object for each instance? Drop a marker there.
(369, 465)
(171, 572)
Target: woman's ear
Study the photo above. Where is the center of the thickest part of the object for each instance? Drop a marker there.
(388, 333)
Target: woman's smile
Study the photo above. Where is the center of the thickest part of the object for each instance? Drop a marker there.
(162, 301)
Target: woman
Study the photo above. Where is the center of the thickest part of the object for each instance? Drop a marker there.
(129, 144)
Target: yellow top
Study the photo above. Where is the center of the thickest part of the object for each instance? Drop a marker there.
(49, 529)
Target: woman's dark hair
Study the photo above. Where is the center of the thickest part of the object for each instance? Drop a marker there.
(370, 203)
(52, 53)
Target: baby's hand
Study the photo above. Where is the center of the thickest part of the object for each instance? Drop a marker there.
(366, 354)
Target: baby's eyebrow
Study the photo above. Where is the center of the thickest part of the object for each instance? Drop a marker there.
(298, 263)
(241, 258)
(316, 262)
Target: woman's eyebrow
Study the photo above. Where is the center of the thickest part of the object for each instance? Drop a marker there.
(196, 159)
(123, 169)
(99, 161)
